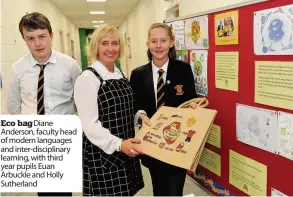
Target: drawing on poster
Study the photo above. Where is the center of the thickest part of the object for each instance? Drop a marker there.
(182, 55)
(257, 127)
(273, 31)
(177, 30)
(285, 136)
(198, 63)
(196, 33)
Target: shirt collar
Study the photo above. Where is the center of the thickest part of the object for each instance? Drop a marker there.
(103, 71)
(156, 69)
(52, 59)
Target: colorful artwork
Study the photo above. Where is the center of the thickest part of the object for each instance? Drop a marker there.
(189, 135)
(180, 146)
(273, 31)
(177, 29)
(226, 28)
(191, 121)
(198, 63)
(196, 33)
(180, 139)
(182, 55)
(285, 135)
(212, 185)
(171, 132)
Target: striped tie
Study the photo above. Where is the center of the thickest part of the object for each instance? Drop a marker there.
(160, 90)
(40, 95)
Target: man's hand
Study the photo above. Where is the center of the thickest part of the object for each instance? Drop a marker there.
(145, 120)
(129, 147)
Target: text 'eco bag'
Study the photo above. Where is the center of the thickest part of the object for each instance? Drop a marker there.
(177, 135)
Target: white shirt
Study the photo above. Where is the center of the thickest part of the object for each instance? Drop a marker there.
(85, 95)
(156, 75)
(59, 78)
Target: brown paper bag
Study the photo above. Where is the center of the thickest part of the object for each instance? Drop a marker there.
(177, 135)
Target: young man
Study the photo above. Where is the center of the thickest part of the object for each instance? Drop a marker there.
(42, 81)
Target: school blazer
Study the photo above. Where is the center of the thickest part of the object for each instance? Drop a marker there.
(179, 86)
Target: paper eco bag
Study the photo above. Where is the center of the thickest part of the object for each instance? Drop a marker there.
(177, 135)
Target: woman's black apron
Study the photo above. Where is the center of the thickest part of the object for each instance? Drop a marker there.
(116, 174)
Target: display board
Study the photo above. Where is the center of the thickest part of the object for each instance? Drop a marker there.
(250, 83)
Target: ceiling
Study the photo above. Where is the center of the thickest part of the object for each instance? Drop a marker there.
(79, 11)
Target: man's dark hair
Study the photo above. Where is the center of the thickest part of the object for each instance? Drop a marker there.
(33, 21)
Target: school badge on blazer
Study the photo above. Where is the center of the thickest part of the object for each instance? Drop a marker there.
(179, 89)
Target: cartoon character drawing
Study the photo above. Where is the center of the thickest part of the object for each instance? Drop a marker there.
(158, 126)
(189, 135)
(191, 121)
(146, 137)
(180, 146)
(162, 145)
(195, 31)
(171, 132)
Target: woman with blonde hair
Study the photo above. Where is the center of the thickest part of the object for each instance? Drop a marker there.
(110, 165)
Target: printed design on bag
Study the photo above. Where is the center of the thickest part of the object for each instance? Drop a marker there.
(189, 135)
(180, 146)
(191, 121)
(162, 117)
(158, 126)
(179, 89)
(176, 116)
(162, 145)
(146, 136)
(171, 132)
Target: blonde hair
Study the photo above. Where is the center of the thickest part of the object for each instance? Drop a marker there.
(172, 50)
(92, 50)
(160, 25)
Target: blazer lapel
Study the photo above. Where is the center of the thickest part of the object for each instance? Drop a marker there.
(171, 71)
(149, 83)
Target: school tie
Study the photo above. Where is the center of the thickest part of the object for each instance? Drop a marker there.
(160, 90)
(40, 94)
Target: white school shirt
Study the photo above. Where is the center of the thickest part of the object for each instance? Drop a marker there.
(85, 95)
(59, 78)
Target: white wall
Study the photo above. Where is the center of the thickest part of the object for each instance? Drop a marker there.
(136, 25)
(13, 46)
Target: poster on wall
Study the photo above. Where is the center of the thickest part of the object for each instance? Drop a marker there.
(227, 68)
(277, 193)
(257, 127)
(182, 55)
(211, 161)
(226, 28)
(247, 175)
(273, 31)
(199, 66)
(197, 33)
(274, 84)
(285, 135)
(177, 29)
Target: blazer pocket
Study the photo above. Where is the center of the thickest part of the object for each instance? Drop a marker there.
(112, 161)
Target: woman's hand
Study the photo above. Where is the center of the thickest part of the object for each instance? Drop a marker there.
(192, 105)
(130, 148)
(145, 120)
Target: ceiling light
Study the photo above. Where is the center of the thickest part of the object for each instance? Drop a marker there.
(96, 0)
(97, 26)
(97, 21)
(97, 12)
